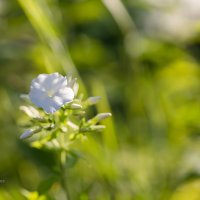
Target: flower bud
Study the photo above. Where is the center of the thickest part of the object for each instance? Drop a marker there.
(99, 117)
(75, 106)
(75, 88)
(72, 83)
(29, 133)
(30, 111)
(93, 100)
(24, 96)
(102, 116)
(26, 134)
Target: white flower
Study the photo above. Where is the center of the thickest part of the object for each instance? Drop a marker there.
(51, 91)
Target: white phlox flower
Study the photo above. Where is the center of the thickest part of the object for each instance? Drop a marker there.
(51, 91)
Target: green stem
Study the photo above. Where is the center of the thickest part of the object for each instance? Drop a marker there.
(63, 174)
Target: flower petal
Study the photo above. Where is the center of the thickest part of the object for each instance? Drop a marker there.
(66, 94)
(37, 96)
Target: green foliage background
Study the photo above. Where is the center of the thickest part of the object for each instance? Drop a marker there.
(150, 82)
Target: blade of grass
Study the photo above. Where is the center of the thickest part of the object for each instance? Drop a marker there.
(41, 17)
(120, 15)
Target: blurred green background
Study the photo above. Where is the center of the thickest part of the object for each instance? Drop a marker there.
(143, 58)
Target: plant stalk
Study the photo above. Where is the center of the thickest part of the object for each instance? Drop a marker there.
(63, 175)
